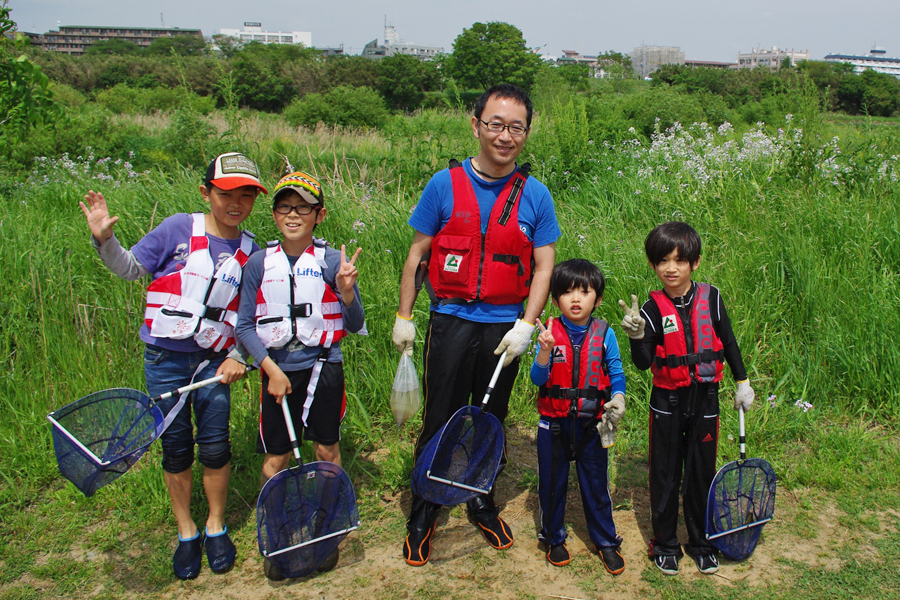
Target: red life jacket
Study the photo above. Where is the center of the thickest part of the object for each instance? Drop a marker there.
(199, 300)
(673, 367)
(295, 301)
(557, 397)
(466, 266)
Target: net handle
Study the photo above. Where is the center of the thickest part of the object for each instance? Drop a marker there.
(743, 435)
(292, 435)
(490, 387)
(192, 387)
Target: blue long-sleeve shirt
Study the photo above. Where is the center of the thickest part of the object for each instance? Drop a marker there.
(611, 357)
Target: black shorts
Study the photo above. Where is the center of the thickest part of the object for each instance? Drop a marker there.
(320, 422)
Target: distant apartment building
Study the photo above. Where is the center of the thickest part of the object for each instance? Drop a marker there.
(394, 45)
(253, 32)
(709, 64)
(598, 68)
(647, 59)
(876, 59)
(74, 39)
(769, 58)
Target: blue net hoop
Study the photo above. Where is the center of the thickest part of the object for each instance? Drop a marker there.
(99, 437)
(303, 514)
(741, 500)
(461, 461)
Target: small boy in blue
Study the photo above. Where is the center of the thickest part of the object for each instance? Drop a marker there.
(581, 400)
(195, 262)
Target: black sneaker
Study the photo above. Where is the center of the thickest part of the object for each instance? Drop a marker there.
(495, 531)
(186, 561)
(707, 563)
(667, 564)
(330, 562)
(417, 547)
(612, 560)
(272, 572)
(558, 555)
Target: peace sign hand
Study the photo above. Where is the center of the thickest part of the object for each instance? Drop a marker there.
(347, 275)
(633, 323)
(545, 339)
(97, 215)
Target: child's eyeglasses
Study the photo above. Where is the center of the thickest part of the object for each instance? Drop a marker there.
(301, 209)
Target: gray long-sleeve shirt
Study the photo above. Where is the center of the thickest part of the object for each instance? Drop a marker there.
(294, 356)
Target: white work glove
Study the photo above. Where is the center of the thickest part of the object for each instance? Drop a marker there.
(633, 323)
(404, 334)
(744, 395)
(516, 341)
(609, 422)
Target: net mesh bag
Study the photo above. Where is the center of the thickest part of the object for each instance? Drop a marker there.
(99, 437)
(302, 514)
(461, 461)
(741, 500)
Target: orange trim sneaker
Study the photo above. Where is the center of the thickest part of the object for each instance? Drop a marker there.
(558, 555)
(417, 547)
(612, 560)
(495, 531)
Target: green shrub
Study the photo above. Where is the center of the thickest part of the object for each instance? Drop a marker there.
(343, 105)
(660, 108)
(119, 99)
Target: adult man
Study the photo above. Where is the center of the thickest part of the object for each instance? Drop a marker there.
(479, 278)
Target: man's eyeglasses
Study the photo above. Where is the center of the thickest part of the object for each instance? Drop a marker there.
(301, 209)
(497, 127)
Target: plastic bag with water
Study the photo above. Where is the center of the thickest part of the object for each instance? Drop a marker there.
(406, 396)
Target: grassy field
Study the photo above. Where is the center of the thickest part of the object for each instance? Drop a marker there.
(801, 229)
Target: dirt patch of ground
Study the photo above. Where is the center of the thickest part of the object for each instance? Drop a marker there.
(462, 565)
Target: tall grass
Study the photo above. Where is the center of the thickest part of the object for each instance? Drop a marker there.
(801, 234)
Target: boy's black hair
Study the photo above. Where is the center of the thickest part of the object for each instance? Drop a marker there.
(505, 90)
(674, 235)
(576, 273)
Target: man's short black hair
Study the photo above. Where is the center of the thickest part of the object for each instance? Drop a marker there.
(576, 273)
(674, 235)
(505, 90)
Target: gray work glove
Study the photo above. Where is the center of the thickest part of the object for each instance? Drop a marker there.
(404, 334)
(516, 341)
(744, 395)
(609, 422)
(633, 323)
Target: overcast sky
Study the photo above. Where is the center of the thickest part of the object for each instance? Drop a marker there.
(704, 29)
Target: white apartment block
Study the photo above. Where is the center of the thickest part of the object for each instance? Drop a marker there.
(253, 32)
(875, 60)
(769, 58)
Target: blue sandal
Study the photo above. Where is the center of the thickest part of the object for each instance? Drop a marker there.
(186, 561)
(220, 551)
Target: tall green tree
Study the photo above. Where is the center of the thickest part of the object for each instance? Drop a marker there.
(404, 79)
(113, 46)
(490, 53)
(183, 45)
(26, 100)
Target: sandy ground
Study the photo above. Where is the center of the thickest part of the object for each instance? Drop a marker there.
(462, 565)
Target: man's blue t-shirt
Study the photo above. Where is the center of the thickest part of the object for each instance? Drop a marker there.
(537, 220)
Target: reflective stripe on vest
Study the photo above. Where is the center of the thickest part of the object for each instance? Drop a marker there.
(673, 367)
(296, 302)
(199, 300)
(466, 266)
(557, 397)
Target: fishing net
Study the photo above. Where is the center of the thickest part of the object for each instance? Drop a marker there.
(302, 514)
(99, 437)
(741, 500)
(461, 461)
